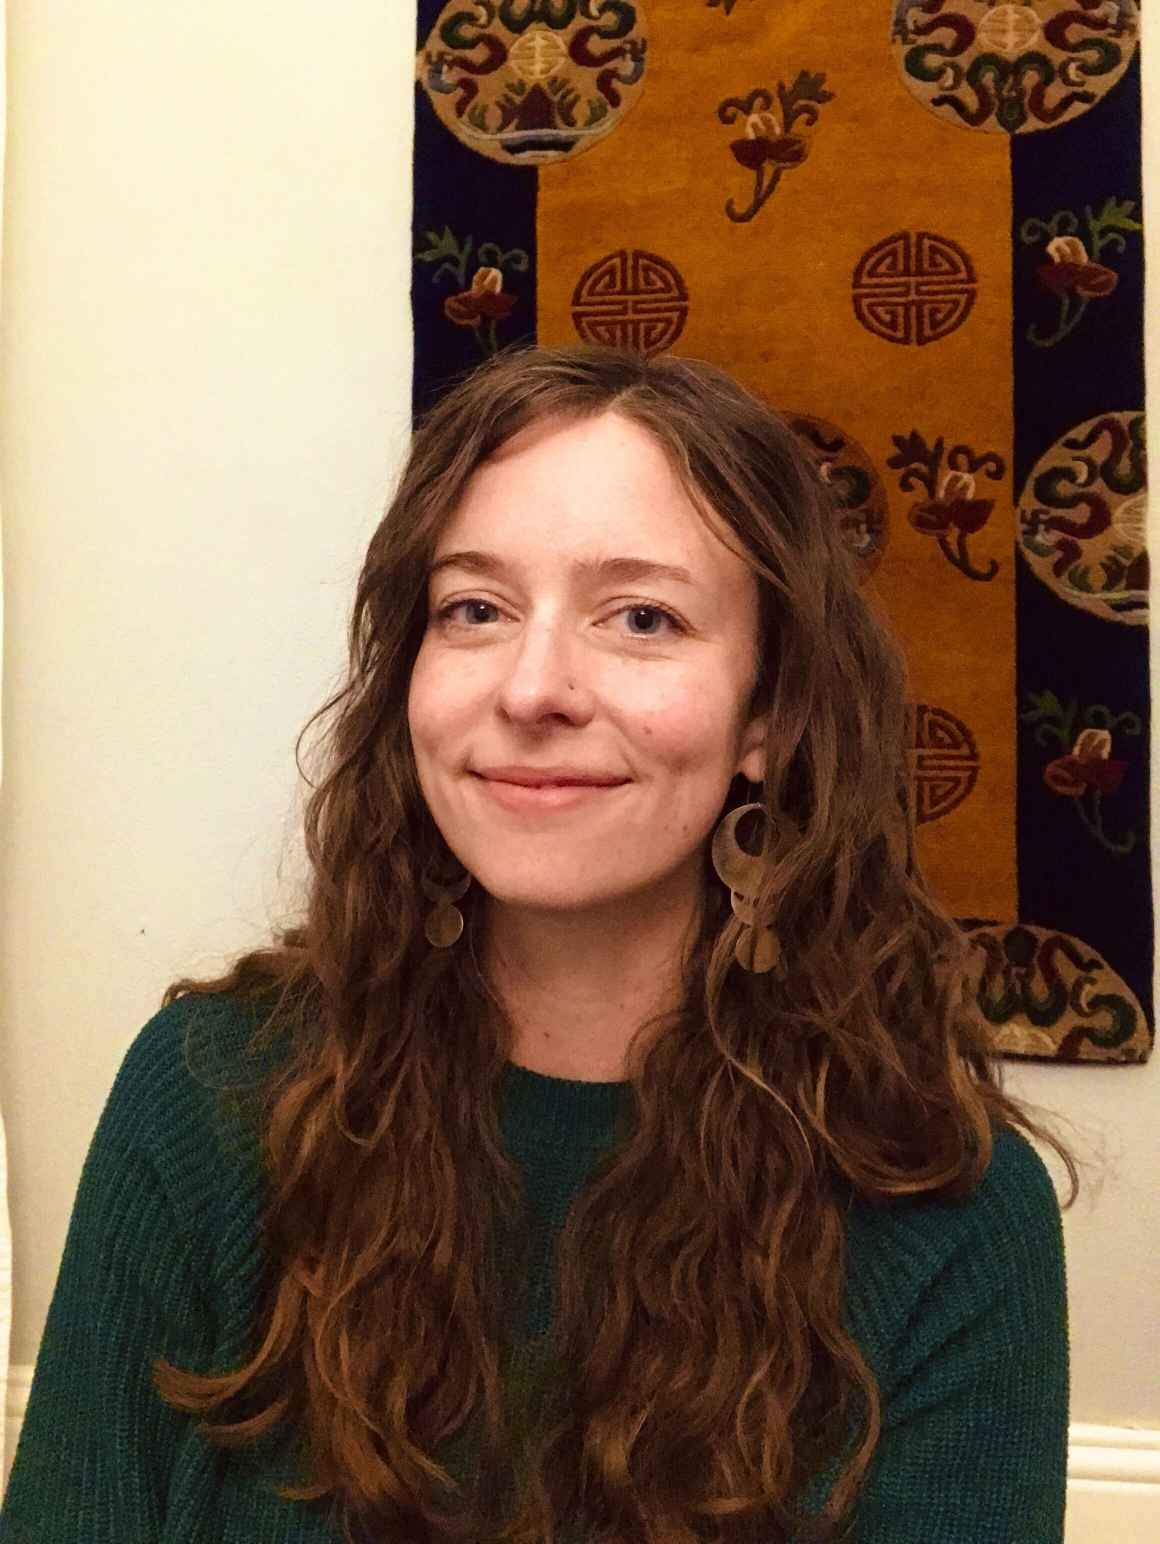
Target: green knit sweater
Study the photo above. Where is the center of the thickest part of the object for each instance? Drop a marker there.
(960, 1307)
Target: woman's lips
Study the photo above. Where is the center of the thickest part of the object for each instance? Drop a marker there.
(548, 796)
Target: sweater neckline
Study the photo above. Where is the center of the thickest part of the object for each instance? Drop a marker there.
(527, 1074)
(539, 1094)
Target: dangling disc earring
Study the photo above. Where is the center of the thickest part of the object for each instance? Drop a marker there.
(444, 924)
(758, 949)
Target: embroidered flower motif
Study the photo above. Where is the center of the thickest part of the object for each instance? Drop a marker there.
(769, 147)
(950, 512)
(1088, 766)
(765, 141)
(486, 300)
(1071, 271)
(955, 505)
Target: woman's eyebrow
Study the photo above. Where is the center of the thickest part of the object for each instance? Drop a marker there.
(622, 569)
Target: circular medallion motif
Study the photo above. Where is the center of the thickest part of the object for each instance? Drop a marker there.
(1013, 68)
(854, 484)
(1047, 993)
(1082, 518)
(914, 287)
(529, 82)
(634, 298)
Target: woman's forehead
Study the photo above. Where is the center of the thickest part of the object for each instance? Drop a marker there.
(578, 493)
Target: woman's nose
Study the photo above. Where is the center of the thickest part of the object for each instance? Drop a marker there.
(543, 672)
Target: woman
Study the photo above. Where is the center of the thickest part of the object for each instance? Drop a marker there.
(625, 1160)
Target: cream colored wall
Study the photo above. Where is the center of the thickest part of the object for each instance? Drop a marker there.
(204, 391)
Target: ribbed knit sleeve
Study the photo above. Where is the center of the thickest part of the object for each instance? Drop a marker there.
(975, 1422)
(94, 1460)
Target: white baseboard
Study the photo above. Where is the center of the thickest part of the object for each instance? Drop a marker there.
(1113, 1474)
(1113, 1484)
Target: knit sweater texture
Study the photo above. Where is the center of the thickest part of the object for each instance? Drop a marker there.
(959, 1306)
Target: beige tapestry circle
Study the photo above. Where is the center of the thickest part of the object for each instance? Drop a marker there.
(1013, 68)
(1082, 518)
(529, 82)
(633, 298)
(1049, 993)
(854, 484)
(914, 287)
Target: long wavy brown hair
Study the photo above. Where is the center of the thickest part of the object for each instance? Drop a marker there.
(702, 1373)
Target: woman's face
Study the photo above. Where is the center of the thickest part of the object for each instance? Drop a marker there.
(536, 657)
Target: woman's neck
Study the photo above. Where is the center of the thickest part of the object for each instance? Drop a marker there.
(577, 984)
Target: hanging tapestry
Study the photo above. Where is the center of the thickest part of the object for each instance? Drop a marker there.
(914, 226)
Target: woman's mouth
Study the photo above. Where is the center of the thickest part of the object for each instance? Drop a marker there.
(521, 797)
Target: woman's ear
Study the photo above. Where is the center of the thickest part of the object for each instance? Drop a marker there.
(752, 762)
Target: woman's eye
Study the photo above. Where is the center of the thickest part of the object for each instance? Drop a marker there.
(655, 611)
(446, 612)
(473, 605)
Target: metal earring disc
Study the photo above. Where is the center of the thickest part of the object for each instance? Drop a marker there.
(758, 949)
(735, 867)
(443, 926)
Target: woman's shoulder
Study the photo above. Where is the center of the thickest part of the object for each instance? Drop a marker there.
(935, 1261)
(1015, 1197)
(196, 1044)
(1016, 1188)
(171, 1108)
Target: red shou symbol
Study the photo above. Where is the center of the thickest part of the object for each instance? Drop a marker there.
(634, 298)
(914, 287)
